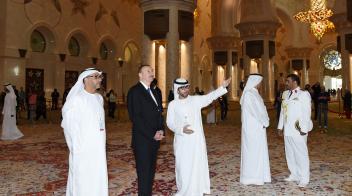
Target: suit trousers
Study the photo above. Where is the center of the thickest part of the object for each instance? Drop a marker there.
(297, 157)
(145, 157)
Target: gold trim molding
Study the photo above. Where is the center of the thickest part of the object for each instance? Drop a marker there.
(293, 52)
(224, 42)
(251, 29)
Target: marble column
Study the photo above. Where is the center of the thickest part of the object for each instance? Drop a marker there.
(252, 30)
(186, 60)
(346, 65)
(162, 71)
(120, 93)
(268, 73)
(271, 81)
(167, 62)
(247, 66)
(240, 78)
(3, 14)
(235, 82)
(229, 44)
(116, 81)
(304, 73)
(148, 51)
(301, 53)
(228, 73)
(59, 77)
(2, 62)
(173, 54)
(343, 28)
(189, 59)
(214, 72)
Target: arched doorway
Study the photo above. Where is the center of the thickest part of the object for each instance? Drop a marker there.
(77, 48)
(132, 60)
(39, 68)
(107, 62)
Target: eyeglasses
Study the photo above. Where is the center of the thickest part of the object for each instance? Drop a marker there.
(96, 77)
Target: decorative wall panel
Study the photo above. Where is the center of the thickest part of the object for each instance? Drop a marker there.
(34, 80)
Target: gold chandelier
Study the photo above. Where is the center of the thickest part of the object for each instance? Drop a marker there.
(317, 16)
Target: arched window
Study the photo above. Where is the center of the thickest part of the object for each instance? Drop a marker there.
(74, 47)
(38, 42)
(104, 51)
(128, 54)
(332, 60)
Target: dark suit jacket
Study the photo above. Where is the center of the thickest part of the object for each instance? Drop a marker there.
(158, 93)
(145, 115)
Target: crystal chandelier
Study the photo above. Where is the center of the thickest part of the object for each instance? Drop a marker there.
(317, 16)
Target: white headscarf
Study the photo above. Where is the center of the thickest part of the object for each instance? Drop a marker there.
(252, 82)
(78, 87)
(9, 87)
(179, 82)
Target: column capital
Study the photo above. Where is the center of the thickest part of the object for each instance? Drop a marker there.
(186, 5)
(253, 29)
(224, 43)
(295, 52)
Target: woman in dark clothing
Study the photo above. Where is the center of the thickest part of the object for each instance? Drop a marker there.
(347, 103)
(41, 106)
(111, 103)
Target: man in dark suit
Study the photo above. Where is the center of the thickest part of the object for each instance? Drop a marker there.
(145, 112)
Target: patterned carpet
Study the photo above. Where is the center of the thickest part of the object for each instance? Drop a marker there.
(37, 164)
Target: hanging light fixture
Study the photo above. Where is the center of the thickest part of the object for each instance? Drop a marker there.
(317, 16)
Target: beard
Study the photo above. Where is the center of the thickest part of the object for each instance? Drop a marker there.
(183, 95)
(96, 86)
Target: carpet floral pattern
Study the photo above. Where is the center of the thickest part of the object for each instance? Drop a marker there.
(37, 164)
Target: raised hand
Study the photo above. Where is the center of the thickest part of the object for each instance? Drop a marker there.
(159, 135)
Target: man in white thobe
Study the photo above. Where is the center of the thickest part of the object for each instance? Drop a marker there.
(84, 128)
(255, 167)
(295, 120)
(9, 127)
(185, 120)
